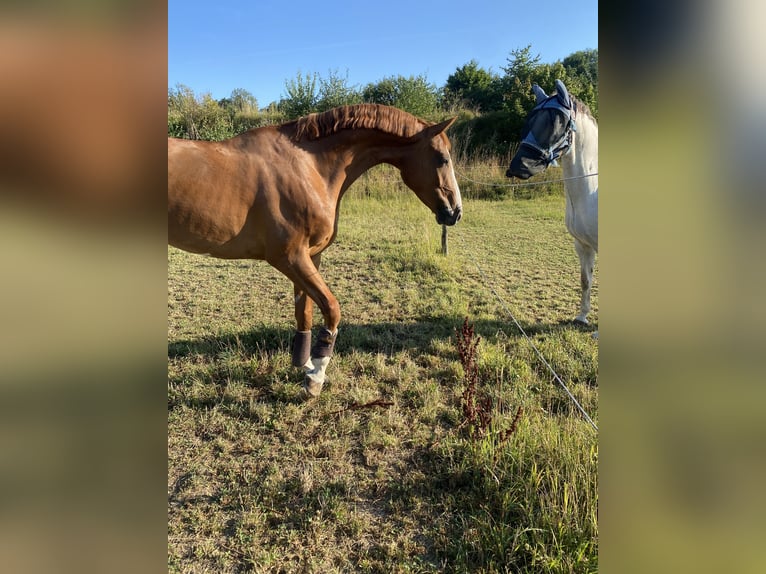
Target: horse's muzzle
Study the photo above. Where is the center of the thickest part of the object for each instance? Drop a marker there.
(447, 216)
(517, 171)
(524, 166)
(509, 173)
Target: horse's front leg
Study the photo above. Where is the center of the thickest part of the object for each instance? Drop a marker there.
(304, 273)
(304, 315)
(587, 256)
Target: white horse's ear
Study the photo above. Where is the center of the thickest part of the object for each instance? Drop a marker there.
(539, 93)
(563, 94)
(436, 129)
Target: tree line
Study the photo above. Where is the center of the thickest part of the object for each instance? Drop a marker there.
(491, 107)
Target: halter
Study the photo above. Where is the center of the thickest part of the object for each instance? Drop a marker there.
(562, 145)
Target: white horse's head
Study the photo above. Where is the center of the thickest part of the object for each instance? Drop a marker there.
(547, 134)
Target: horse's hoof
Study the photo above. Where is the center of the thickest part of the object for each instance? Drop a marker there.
(312, 386)
(580, 321)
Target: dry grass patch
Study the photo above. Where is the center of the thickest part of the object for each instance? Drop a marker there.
(377, 475)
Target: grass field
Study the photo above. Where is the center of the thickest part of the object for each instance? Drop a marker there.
(384, 472)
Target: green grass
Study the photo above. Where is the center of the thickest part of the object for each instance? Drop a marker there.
(262, 480)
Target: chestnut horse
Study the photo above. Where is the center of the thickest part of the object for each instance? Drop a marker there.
(274, 193)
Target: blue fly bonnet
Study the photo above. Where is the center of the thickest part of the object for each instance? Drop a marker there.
(558, 103)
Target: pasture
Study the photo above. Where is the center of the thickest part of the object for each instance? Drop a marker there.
(383, 472)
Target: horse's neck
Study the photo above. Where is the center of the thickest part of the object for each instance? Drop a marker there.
(354, 155)
(581, 164)
(582, 160)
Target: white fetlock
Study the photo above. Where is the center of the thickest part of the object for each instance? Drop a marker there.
(315, 376)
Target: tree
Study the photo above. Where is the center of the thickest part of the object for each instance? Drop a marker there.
(302, 96)
(242, 109)
(578, 71)
(582, 74)
(509, 98)
(383, 92)
(516, 85)
(494, 106)
(583, 64)
(334, 91)
(413, 94)
(182, 107)
(473, 87)
(193, 117)
(240, 101)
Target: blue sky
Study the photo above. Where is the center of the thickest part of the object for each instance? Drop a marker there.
(217, 46)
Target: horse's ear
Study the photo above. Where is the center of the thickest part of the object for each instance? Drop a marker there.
(563, 94)
(540, 95)
(436, 129)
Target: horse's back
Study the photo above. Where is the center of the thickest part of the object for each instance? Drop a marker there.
(243, 197)
(209, 196)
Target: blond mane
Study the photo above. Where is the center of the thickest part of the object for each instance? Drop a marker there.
(359, 116)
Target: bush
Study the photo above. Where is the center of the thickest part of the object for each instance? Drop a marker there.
(193, 117)
(491, 134)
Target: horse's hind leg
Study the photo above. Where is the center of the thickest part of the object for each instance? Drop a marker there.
(302, 271)
(587, 256)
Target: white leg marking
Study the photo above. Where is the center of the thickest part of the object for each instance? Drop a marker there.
(315, 375)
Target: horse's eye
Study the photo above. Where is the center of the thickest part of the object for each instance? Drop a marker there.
(444, 160)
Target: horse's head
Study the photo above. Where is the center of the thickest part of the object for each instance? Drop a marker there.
(427, 170)
(547, 134)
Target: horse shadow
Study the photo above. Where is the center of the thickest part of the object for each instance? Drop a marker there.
(221, 356)
(387, 338)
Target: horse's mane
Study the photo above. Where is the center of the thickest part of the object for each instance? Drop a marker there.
(371, 116)
(581, 108)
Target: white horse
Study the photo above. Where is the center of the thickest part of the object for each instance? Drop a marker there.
(562, 127)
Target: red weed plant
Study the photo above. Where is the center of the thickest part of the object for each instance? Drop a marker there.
(477, 410)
